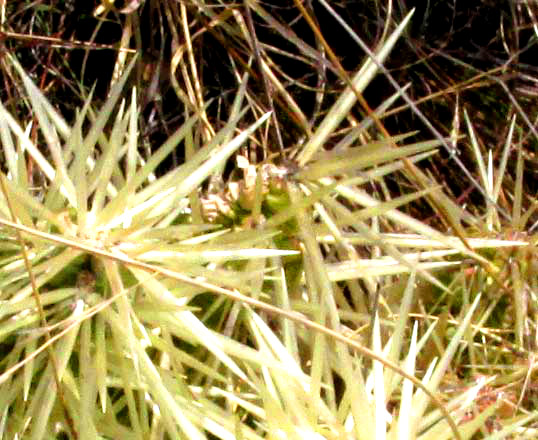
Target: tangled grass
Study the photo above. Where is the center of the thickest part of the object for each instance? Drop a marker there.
(268, 261)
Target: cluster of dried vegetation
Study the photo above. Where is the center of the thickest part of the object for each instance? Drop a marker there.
(268, 220)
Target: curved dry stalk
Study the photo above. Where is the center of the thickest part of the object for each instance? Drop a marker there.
(236, 296)
(41, 312)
